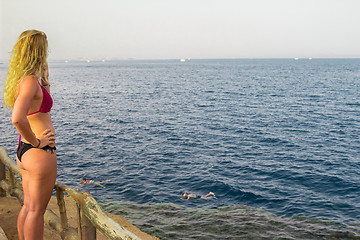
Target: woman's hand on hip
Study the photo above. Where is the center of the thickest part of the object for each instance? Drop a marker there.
(47, 137)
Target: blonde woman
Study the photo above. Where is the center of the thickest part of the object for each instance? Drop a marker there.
(27, 93)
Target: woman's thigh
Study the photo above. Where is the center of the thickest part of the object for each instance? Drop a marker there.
(39, 168)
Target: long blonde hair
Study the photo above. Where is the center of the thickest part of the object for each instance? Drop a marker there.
(28, 59)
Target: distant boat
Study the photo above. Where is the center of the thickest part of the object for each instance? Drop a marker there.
(310, 58)
(182, 60)
(296, 58)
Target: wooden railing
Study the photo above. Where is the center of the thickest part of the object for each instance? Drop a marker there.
(91, 216)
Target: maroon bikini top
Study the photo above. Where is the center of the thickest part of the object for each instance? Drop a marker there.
(46, 104)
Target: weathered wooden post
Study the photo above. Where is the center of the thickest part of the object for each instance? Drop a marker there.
(62, 208)
(87, 231)
(12, 178)
(79, 220)
(2, 177)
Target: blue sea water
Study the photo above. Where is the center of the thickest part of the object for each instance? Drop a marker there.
(272, 138)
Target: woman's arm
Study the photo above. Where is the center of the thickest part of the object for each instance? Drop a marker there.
(27, 91)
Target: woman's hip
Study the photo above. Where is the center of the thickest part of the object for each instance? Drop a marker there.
(39, 161)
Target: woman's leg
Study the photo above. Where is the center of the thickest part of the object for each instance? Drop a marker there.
(40, 167)
(23, 212)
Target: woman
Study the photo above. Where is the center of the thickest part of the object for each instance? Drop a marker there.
(27, 92)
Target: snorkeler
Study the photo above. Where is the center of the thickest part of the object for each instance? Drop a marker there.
(187, 196)
(84, 181)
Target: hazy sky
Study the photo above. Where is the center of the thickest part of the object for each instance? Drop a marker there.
(157, 29)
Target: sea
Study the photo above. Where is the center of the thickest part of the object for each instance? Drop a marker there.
(276, 141)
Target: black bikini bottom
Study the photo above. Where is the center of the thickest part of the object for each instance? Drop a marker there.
(23, 147)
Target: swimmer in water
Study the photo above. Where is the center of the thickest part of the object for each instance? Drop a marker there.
(187, 196)
(84, 181)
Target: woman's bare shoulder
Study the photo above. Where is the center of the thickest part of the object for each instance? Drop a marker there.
(28, 84)
(28, 80)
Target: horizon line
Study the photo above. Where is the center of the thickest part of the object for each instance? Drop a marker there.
(80, 59)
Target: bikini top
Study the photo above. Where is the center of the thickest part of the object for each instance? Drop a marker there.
(46, 104)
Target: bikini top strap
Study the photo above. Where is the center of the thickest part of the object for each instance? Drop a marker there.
(19, 142)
